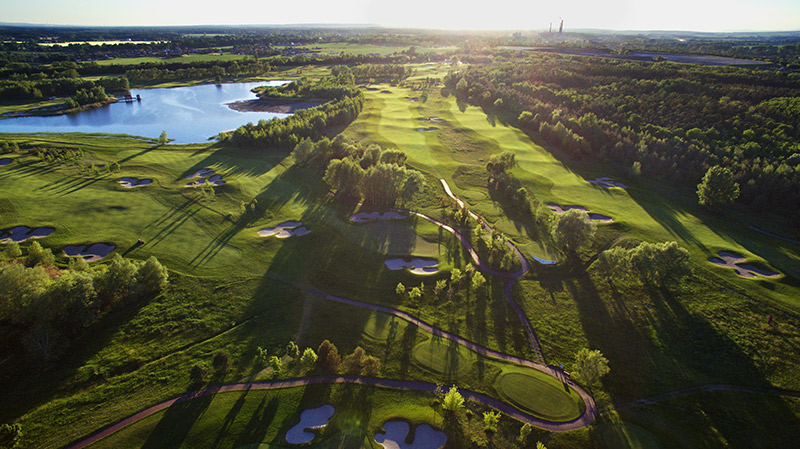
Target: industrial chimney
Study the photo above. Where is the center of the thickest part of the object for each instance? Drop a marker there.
(561, 26)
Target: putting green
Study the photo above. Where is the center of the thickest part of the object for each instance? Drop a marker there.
(627, 436)
(381, 326)
(541, 396)
(443, 356)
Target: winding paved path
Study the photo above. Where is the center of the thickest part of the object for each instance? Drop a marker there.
(589, 414)
(701, 389)
(360, 380)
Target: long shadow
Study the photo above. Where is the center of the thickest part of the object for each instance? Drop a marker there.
(229, 419)
(665, 214)
(259, 423)
(174, 426)
(677, 348)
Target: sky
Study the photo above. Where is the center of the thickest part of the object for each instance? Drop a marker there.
(686, 15)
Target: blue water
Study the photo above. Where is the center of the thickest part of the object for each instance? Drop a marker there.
(187, 114)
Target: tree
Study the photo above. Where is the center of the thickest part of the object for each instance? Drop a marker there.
(221, 362)
(309, 358)
(12, 250)
(262, 357)
(118, 280)
(153, 276)
(372, 366)
(717, 188)
(478, 281)
(453, 401)
(40, 256)
(572, 230)
(524, 431)
(344, 176)
(354, 362)
(292, 350)
(490, 420)
(304, 152)
(540, 445)
(400, 290)
(439, 287)
(10, 434)
(276, 364)
(590, 365)
(198, 372)
(162, 139)
(414, 294)
(501, 162)
(328, 356)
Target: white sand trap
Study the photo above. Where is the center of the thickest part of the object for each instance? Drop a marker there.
(606, 183)
(313, 418)
(5, 161)
(732, 260)
(22, 233)
(216, 180)
(204, 173)
(89, 253)
(285, 230)
(207, 175)
(430, 128)
(600, 218)
(130, 183)
(365, 217)
(425, 437)
(417, 265)
(559, 209)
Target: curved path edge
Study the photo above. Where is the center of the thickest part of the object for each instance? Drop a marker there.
(702, 389)
(304, 381)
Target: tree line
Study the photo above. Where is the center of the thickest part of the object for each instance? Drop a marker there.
(46, 308)
(312, 123)
(676, 121)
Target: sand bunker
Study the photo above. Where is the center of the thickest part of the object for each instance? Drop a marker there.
(606, 183)
(22, 233)
(130, 183)
(89, 253)
(207, 175)
(425, 437)
(412, 98)
(430, 128)
(416, 265)
(5, 161)
(285, 230)
(386, 91)
(559, 209)
(729, 259)
(364, 217)
(313, 418)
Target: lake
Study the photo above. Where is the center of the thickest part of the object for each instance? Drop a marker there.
(188, 114)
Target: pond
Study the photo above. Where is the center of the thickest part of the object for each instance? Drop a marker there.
(188, 114)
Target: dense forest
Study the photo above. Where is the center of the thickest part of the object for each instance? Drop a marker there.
(669, 121)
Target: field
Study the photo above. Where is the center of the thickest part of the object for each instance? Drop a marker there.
(233, 289)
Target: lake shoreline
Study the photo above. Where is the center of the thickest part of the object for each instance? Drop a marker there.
(280, 106)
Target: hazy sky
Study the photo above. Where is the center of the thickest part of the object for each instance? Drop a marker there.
(699, 15)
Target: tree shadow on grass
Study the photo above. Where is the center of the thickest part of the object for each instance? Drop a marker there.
(675, 348)
(260, 421)
(177, 422)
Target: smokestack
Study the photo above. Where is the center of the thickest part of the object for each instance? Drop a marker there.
(561, 26)
(551, 27)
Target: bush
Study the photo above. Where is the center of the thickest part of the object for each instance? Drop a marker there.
(199, 372)
(10, 434)
(221, 362)
(40, 256)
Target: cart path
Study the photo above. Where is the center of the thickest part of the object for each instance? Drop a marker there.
(360, 380)
(701, 389)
